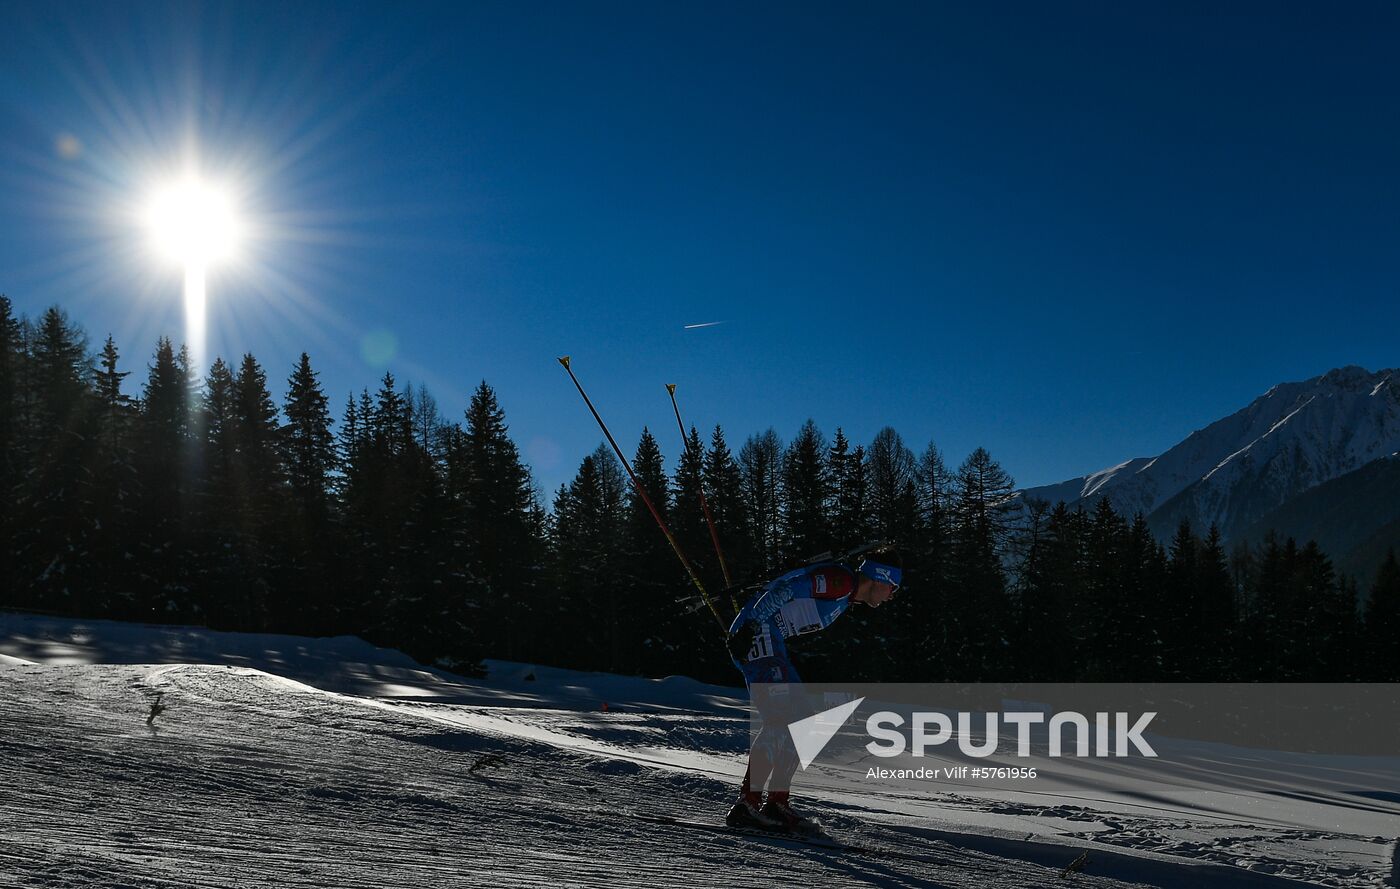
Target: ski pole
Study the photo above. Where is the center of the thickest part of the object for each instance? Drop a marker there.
(670, 538)
(704, 504)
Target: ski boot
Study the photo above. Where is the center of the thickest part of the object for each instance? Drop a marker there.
(778, 809)
(746, 813)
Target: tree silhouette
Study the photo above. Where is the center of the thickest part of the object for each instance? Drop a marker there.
(211, 504)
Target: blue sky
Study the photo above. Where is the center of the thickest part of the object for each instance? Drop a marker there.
(1071, 233)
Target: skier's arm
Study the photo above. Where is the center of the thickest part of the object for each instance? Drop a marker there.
(762, 606)
(761, 609)
(742, 629)
(779, 593)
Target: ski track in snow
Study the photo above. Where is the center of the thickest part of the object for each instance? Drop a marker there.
(249, 780)
(256, 779)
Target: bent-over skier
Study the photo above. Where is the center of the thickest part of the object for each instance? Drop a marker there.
(802, 601)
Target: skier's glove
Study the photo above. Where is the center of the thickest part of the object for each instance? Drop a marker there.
(742, 641)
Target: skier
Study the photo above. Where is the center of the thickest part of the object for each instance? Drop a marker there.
(802, 601)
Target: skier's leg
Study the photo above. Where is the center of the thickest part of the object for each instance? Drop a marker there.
(784, 709)
(759, 673)
(777, 804)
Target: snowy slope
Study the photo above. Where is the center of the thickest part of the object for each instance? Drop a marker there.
(254, 778)
(1232, 472)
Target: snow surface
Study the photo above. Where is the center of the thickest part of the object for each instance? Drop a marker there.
(328, 762)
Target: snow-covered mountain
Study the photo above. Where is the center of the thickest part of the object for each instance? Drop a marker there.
(1234, 471)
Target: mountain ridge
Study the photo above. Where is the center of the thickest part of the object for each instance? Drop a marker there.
(1234, 472)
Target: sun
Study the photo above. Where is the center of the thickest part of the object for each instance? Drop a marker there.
(193, 222)
(177, 163)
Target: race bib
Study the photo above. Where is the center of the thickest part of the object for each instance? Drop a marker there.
(799, 616)
(762, 645)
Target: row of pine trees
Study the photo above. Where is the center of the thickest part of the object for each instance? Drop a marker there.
(204, 501)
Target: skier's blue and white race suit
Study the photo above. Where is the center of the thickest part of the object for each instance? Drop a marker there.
(802, 601)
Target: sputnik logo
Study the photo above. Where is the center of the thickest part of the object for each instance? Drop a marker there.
(811, 735)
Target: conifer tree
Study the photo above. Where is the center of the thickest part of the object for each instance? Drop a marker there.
(1181, 620)
(369, 427)
(1268, 609)
(893, 500)
(806, 491)
(851, 518)
(260, 489)
(1328, 619)
(438, 571)
(348, 442)
(1218, 610)
(11, 457)
(498, 506)
(690, 618)
(935, 505)
(165, 412)
(1301, 619)
(427, 422)
(1143, 607)
(55, 506)
(107, 381)
(1098, 613)
(1383, 623)
(308, 446)
(308, 453)
(61, 371)
(27, 390)
(380, 493)
(189, 388)
(928, 559)
(589, 599)
(114, 483)
(9, 401)
(218, 521)
(892, 507)
(220, 443)
(836, 457)
(688, 517)
(358, 500)
(760, 465)
(980, 607)
(1050, 645)
(725, 487)
(393, 427)
(163, 462)
(257, 431)
(653, 577)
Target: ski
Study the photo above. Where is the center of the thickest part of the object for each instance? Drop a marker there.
(808, 840)
(814, 840)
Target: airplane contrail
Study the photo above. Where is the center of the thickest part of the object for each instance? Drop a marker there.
(706, 324)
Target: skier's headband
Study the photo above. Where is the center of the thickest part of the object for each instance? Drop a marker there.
(881, 573)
